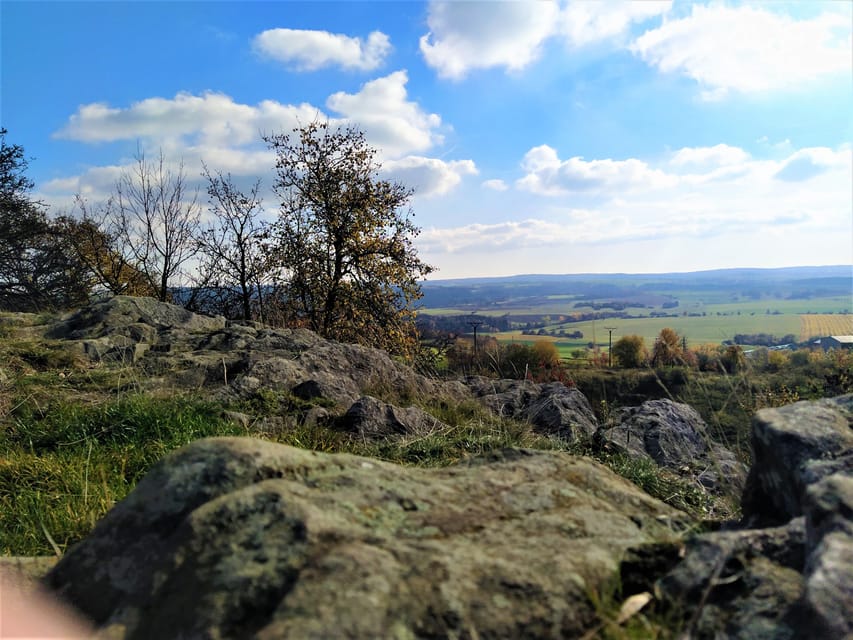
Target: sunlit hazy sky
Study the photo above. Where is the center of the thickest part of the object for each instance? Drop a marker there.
(541, 137)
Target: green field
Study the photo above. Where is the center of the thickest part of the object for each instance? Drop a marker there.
(701, 330)
(717, 323)
(704, 307)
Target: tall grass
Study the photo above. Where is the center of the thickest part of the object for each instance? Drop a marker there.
(63, 466)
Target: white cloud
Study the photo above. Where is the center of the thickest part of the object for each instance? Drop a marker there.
(813, 161)
(586, 22)
(495, 185)
(718, 155)
(226, 135)
(774, 203)
(428, 176)
(748, 49)
(550, 176)
(465, 36)
(307, 50)
(392, 122)
(209, 118)
(213, 125)
(489, 237)
(481, 35)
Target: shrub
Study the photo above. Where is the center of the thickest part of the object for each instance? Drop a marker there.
(630, 351)
(667, 350)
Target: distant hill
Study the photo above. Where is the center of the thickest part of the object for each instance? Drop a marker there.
(531, 289)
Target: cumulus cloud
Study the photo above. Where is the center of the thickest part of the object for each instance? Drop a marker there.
(748, 49)
(718, 155)
(808, 163)
(428, 176)
(464, 36)
(479, 35)
(226, 135)
(495, 185)
(209, 118)
(392, 122)
(550, 176)
(307, 50)
(587, 22)
(214, 122)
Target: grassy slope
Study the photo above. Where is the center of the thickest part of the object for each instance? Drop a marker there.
(76, 437)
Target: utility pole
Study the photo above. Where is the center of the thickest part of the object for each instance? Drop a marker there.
(610, 331)
(474, 324)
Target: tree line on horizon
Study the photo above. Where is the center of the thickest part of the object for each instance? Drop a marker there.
(338, 259)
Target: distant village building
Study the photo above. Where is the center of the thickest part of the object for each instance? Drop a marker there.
(834, 342)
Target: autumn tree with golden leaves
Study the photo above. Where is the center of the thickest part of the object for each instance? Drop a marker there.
(344, 240)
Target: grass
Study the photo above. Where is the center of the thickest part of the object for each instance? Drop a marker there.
(75, 438)
(66, 464)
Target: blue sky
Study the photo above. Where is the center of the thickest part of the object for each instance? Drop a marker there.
(541, 137)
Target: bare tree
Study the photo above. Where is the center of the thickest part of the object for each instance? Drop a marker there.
(232, 259)
(94, 236)
(157, 220)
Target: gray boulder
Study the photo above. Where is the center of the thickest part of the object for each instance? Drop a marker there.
(236, 537)
(829, 544)
(123, 328)
(793, 447)
(137, 318)
(552, 408)
(372, 419)
(787, 572)
(174, 346)
(740, 584)
(674, 436)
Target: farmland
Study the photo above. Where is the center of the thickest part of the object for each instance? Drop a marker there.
(825, 325)
(703, 308)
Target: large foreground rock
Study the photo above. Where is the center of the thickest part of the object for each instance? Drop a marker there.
(794, 447)
(242, 538)
(787, 572)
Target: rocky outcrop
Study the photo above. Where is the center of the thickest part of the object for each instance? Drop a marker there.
(138, 318)
(786, 572)
(244, 538)
(552, 408)
(123, 328)
(674, 436)
(204, 353)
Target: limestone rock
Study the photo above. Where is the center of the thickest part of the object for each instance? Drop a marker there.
(137, 318)
(674, 436)
(740, 584)
(552, 408)
(236, 537)
(791, 580)
(204, 353)
(372, 419)
(793, 447)
(829, 543)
